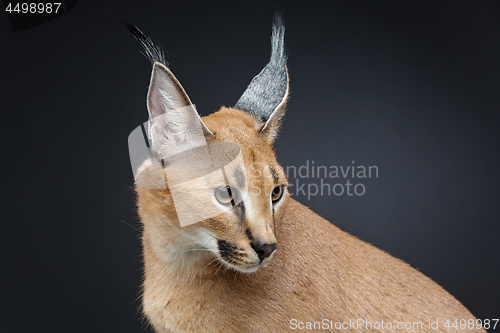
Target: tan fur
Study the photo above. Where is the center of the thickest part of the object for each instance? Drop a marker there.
(317, 272)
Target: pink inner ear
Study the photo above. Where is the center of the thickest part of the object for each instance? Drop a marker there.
(156, 108)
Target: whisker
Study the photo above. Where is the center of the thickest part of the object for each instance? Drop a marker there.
(206, 233)
(131, 226)
(203, 245)
(236, 273)
(171, 247)
(216, 264)
(246, 262)
(221, 264)
(235, 261)
(196, 250)
(210, 263)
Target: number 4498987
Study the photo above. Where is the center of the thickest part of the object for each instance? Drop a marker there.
(471, 324)
(33, 8)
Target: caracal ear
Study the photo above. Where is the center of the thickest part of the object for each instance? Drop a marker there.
(267, 94)
(174, 124)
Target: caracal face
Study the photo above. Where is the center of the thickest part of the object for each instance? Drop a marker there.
(244, 238)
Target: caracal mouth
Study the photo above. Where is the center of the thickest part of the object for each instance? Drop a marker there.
(247, 268)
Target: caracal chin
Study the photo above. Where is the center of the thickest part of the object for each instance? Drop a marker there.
(225, 247)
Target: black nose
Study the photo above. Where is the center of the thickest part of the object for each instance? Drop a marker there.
(264, 250)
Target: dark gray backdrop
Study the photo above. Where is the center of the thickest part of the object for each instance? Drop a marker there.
(412, 87)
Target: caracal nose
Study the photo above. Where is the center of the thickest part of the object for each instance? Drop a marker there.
(264, 250)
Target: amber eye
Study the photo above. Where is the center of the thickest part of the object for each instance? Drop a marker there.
(224, 194)
(277, 193)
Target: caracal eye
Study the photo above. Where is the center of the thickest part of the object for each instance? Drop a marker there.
(224, 194)
(277, 193)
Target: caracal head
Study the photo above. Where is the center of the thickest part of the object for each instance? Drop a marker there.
(224, 190)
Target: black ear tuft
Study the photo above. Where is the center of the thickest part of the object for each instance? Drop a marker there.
(152, 51)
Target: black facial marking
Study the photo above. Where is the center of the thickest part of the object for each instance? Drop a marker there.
(240, 178)
(252, 156)
(274, 222)
(274, 174)
(240, 211)
(226, 249)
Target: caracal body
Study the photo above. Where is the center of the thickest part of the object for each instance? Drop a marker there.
(268, 263)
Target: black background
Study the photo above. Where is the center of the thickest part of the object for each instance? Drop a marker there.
(412, 87)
